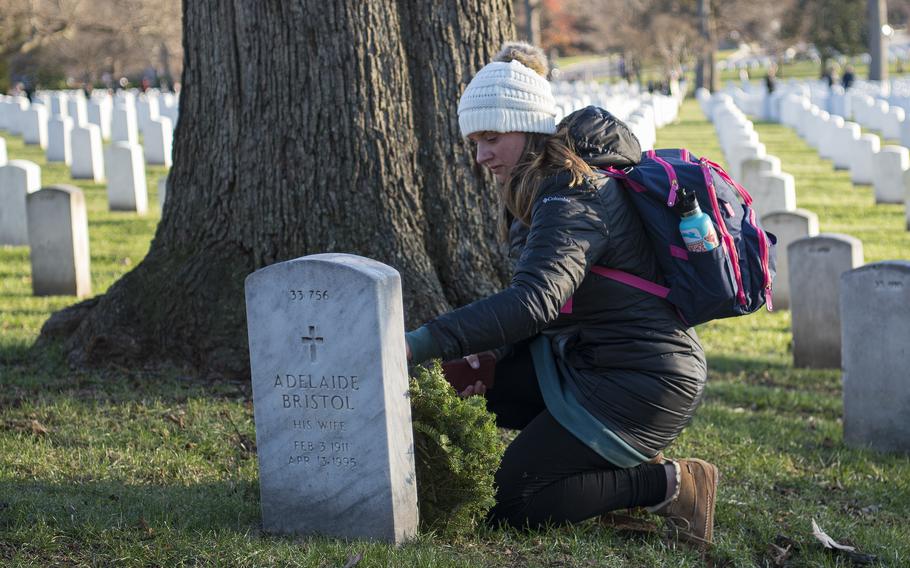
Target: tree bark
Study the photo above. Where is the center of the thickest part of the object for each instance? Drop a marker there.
(307, 127)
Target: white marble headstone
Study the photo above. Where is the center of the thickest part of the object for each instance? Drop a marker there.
(162, 192)
(875, 313)
(126, 185)
(907, 197)
(34, 126)
(99, 113)
(330, 394)
(862, 165)
(3, 157)
(888, 177)
(123, 124)
(158, 141)
(843, 145)
(18, 178)
(88, 158)
(752, 168)
(58, 238)
(774, 192)
(59, 133)
(77, 110)
(787, 226)
(815, 265)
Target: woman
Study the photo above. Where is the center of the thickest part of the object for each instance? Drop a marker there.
(598, 376)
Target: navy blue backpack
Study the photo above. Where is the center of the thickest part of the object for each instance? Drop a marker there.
(735, 278)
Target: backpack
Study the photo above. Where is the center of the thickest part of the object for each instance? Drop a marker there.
(731, 280)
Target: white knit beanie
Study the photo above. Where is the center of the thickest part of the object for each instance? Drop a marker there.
(507, 97)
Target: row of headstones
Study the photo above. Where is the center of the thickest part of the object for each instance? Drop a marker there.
(855, 317)
(101, 108)
(747, 158)
(124, 171)
(887, 168)
(57, 233)
(643, 113)
(70, 134)
(821, 278)
(877, 106)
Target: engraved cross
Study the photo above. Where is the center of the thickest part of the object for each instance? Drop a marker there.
(312, 340)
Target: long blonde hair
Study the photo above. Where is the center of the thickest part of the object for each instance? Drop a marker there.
(544, 155)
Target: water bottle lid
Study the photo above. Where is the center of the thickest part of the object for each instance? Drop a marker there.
(686, 202)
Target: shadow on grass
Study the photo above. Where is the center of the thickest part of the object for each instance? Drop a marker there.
(730, 364)
(112, 505)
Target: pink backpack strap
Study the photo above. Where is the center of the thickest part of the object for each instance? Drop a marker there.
(632, 280)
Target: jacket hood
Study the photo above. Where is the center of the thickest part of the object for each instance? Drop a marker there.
(601, 139)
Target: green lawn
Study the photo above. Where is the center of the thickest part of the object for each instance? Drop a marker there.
(139, 467)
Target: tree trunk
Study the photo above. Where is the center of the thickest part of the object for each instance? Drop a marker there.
(878, 42)
(307, 127)
(706, 67)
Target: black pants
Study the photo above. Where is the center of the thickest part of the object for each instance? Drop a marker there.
(547, 475)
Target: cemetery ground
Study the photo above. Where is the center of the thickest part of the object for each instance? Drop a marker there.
(157, 467)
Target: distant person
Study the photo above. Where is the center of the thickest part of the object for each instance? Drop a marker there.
(828, 76)
(847, 80)
(771, 78)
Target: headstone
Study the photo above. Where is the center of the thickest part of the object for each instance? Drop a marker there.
(146, 111)
(774, 192)
(158, 141)
(752, 168)
(16, 107)
(58, 238)
(888, 178)
(827, 141)
(875, 313)
(816, 128)
(330, 384)
(123, 124)
(18, 178)
(99, 113)
(59, 134)
(739, 152)
(59, 105)
(77, 110)
(815, 265)
(126, 185)
(905, 133)
(3, 156)
(862, 167)
(844, 140)
(162, 192)
(907, 197)
(891, 123)
(34, 126)
(787, 226)
(88, 159)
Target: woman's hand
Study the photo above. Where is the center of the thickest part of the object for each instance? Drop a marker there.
(477, 388)
(408, 350)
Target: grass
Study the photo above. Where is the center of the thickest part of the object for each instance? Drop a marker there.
(157, 467)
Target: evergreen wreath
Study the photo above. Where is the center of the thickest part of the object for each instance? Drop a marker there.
(457, 453)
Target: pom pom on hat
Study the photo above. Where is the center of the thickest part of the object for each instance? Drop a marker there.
(507, 96)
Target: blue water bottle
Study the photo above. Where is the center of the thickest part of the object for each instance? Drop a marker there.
(695, 226)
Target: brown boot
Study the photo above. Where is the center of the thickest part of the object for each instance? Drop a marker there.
(690, 515)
